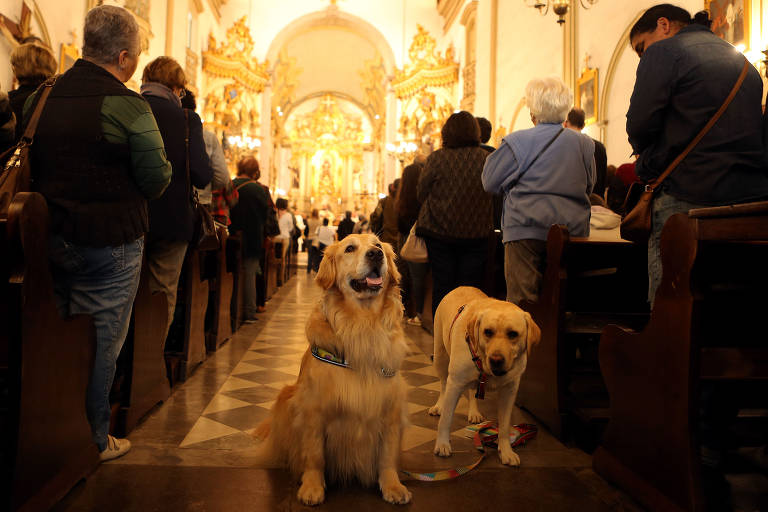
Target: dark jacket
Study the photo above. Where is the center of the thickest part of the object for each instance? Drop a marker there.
(681, 82)
(346, 226)
(454, 206)
(250, 214)
(170, 215)
(18, 97)
(601, 168)
(93, 198)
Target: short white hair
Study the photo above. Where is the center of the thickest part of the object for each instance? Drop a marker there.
(549, 99)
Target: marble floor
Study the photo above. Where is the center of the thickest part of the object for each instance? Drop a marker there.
(196, 452)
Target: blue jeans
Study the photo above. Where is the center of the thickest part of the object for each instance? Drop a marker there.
(455, 265)
(664, 206)
(101, 282)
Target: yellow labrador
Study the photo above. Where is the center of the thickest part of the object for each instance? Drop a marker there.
(345, 423)
(501, 335)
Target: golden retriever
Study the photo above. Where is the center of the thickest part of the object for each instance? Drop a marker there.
(343, 424)
(501, 335)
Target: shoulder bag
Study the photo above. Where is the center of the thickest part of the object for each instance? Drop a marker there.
(414, 249)
(205, 236)
(15, 177)
(636, 224)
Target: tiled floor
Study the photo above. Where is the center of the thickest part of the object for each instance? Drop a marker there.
(195, 452)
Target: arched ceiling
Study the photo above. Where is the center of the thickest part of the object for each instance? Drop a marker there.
(330, 59)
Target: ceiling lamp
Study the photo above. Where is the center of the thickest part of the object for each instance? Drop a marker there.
(559, 7)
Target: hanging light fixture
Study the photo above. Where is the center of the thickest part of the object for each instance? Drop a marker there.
(559, 7)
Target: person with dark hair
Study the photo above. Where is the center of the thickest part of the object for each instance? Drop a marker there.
(546, 174)
(455, 218)
(98, 157)
(684, 76)
(486, 129)
(249, 216)
(346, 226)
(325, 237)
(408, 207)
(171, 216)
(576, 121)
(384, 217)
(215, 154)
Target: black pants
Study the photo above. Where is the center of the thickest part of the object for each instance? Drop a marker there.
(454, 265)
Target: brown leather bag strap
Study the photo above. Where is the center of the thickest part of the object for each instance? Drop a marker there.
(29, 132)
(651, 186)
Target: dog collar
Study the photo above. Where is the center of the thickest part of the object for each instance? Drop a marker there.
(483, 378)
(330, 358)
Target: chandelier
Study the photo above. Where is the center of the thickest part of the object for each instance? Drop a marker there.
(559, 7)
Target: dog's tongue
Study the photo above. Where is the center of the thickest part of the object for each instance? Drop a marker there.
(373, 281)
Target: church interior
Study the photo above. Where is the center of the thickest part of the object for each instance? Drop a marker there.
(334, 99)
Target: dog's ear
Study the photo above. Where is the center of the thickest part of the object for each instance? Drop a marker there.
(326, 274)
(534, 333)
(389, 253)
(474, 320)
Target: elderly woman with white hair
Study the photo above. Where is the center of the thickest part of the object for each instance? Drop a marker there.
(97, 158)
(545, 174)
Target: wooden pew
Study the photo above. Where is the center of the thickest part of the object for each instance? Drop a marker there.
(45, 363)
(223, 287)
(706, 323)
(587, 284)
(270, 269)
(147, 379)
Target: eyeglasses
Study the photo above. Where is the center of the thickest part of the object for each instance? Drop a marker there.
(182, 93)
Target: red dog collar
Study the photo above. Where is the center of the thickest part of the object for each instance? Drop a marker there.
(483, 378)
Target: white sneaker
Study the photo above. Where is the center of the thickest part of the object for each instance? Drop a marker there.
(115, 448)
(414, 321)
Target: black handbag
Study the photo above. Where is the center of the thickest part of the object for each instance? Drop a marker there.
(205, 236)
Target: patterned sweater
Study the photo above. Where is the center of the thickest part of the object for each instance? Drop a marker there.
(454, 206)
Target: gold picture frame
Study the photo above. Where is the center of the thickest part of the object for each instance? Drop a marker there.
(730, 20)
(69, 54)
(586, 97)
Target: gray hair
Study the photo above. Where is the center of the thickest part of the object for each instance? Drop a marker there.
(549, 99)
(108, 31)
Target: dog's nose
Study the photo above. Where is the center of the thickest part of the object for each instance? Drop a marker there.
(497, 361)
(375, 255)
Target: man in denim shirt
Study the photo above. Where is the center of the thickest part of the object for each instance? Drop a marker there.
(685, 74)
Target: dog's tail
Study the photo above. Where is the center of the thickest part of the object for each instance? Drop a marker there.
(268, 452)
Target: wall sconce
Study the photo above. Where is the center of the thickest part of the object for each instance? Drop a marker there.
(559, 7)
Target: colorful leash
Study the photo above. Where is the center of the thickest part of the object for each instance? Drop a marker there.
(486, 434)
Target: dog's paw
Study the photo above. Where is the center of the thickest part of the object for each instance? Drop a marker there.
(396, 493)
(443, 448)
(509, 457)
(435, 410)
(475, 416)
(311, 494)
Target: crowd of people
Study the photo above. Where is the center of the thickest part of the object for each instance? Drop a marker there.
(119, 176)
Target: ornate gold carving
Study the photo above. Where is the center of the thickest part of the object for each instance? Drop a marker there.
(374, 82)
(233, 59)
(423, 118)
(327, 127)
(190, 69)
(468, 101)
(286, 79)
(427, 68)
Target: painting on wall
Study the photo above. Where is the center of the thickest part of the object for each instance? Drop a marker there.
(586, 95)
(69, 54)
(730, 20)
